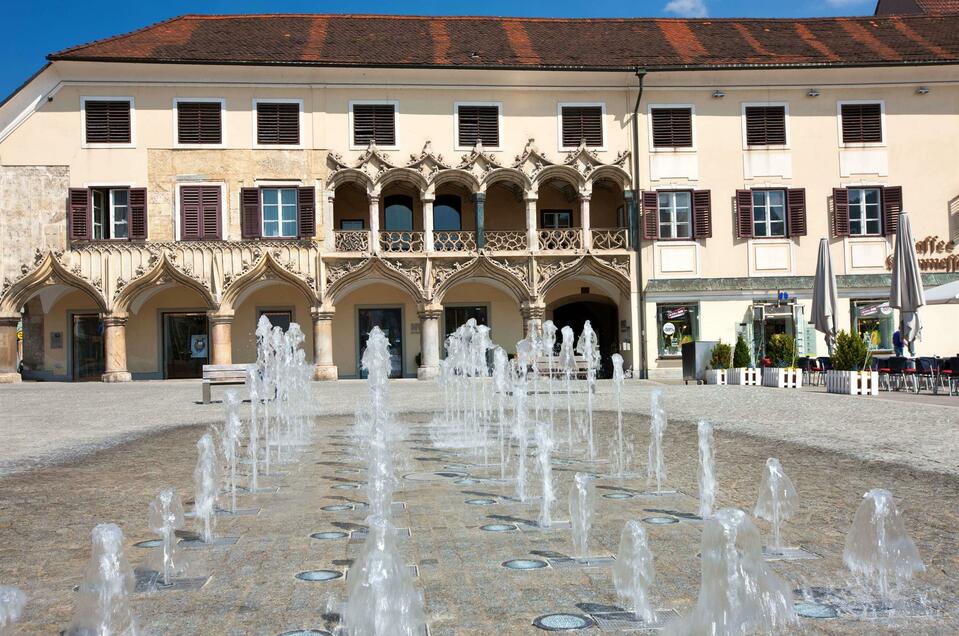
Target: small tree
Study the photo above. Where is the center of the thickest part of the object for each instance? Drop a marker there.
(722, 353)
(741, 357)
(850, 353)
(781, 349)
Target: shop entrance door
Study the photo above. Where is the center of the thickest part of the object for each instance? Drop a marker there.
(87, 345)
(390, 320)
(186, 345)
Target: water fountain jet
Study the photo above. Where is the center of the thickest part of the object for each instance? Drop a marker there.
(103, 607)
(634, 571)
(707, 474)
(778, 500)
(581, 502)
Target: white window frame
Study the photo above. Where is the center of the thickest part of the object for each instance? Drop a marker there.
(649, 127)
(882, 122)
(672, 215)
(396, 122)
(559, 125)
(456, 125)
(862, 207)
(223, 126)
(768, 221)
(113, 218)
(746, 145)
(277, 100)
(107, 98)
(224, 207)
(110, 212)
(296, 214)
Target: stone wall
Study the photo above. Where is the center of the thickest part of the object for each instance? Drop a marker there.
(33, 202)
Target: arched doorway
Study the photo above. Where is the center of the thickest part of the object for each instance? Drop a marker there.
(603, 317)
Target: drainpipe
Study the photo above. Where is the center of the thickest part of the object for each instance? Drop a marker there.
(637, 236)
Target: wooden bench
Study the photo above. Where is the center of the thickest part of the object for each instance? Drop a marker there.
(557, 372)
(222, 374)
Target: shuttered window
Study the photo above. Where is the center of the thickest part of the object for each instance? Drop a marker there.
(278, 123)
(672, 127)
(763, 213)
(478, 124)
(199, 123)
(766, 125)
(107, 121)
(582, 124)
(677, 214)
(861, 123)
(374, 122)
(107, 214)
(200, 210)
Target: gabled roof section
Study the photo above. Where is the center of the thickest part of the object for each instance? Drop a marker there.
(531, 43)
(910, 7)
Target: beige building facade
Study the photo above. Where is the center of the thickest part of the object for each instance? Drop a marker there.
(150, 212)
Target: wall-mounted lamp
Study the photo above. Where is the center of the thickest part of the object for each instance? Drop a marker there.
(812, 92)
(922, 90)
(718, 94)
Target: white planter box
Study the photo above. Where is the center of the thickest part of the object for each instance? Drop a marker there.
(716, 376)
(853, 382)
(782, 378)
(744, 375)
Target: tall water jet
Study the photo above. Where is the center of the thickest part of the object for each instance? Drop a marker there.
(634, 571)
(707, 474)
(544, 449)
(103, 607)
(656, 468)
(501, 386)
(264, 367)
(166, 517)
(738, 593)
(621, 454)
(878, 547)
(778, 500)
(588, 347)
(253, 431)
(520, 433)
(568, 363)
(231, 441)
(549, 347)
(581, 502)
(205, 485)
(12, 602)
(376, 362)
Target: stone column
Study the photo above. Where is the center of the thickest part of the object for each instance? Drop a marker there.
(375, 223)
(323, 367)
(584, 221)
(221, 345)
(533, 313)
(532, 224)
(429, 342)
(8, 348)
(428, 244)
(480, 207)
(115, 344)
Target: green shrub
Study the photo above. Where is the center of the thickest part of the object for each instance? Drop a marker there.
(850, 352)
(741, 357)
(722, 353)
(781, 350)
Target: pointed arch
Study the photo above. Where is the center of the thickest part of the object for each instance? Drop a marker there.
(613, 173)
(590, 267)
(50, 271)
(265, 268)
(162, 273)
(373, 270)
(350, 175)
(561, 172)
(402, 175)
(508, 175)
(484, 269)
(455, 176)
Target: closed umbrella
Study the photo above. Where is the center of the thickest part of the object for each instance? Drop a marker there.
(825, 304)
(947, 294)
(906, 293)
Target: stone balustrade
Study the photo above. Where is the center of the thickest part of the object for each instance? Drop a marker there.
(560, 239)
(609, 239)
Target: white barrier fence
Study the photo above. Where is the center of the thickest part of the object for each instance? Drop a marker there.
(853, 382)
(744, 375)
(782, 378)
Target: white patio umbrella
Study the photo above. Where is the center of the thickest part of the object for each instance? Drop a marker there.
(906, 293)
(947, 294)
(825, 304)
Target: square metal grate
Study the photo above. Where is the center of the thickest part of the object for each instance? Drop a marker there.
(627, 621)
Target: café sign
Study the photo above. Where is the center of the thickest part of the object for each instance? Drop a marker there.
(934, 255)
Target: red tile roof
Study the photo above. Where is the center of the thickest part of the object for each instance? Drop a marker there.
(531, 43)
(906, 7)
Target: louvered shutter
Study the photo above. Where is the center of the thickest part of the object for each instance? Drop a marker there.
(766, 125)
(306, 211)
(79, 215)
(891, 208)
(278, 123)
(107, 121)
(190, 213)
(374, 122)
(138, 214)
(210, 212)
(702, 215)
(250, 212)
(861, 123)
(582, 124)
(744, 214)
(672, 127)
(199, 123)
(840, 212)
(650, 215)
(478, 123)
(796, 212)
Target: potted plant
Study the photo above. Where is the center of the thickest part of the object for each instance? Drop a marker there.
(848, 374)
(781, 349)
(742, 372)
(718, 363)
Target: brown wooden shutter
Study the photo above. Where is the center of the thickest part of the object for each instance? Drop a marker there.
(250, 213)
(672, 127)
(306, 211)
(650, 215)
(138, 214)
(210, 212)
(582, 124)
(891, 208)
(702, 215)
(861, 123)
(107, 121)
(766, 125)
(744, 214)
(190, 213)
(478, 123)
(840, 212)
(79, 215)
(278, 123)
(199, 123)
(374, 122)
(796, 212)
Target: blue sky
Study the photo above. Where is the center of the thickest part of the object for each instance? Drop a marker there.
(34, 28)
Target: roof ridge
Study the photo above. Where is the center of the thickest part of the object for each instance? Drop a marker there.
(120, 36)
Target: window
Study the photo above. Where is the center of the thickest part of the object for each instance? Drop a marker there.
(861, 123)
(477, 123)
(352, 224)
(107, 120)
(277, 123)
(865, 215)
(873, 321)
(672, 127)
(111, 208)
(398, 213)
(200, 212)
(769, 213)
(675, 215)
(765, 125)
(556, 219)
(677, 324)
(279, 212)
(281, 318)
(454, 317)
(447, 213)
(582, 124)
(199, 122)
(374, 123)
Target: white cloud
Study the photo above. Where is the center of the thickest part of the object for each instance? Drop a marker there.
(687, 8)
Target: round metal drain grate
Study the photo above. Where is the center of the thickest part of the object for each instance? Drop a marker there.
(319, 575)
(466, 482)
(326, 536)
(149, 543)
(808, 609)
(481, 502)
(618, 495)
(337, 508)
(449, 474)
(524, 564)
(499, 527)
(563, 622)
(661, 521)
